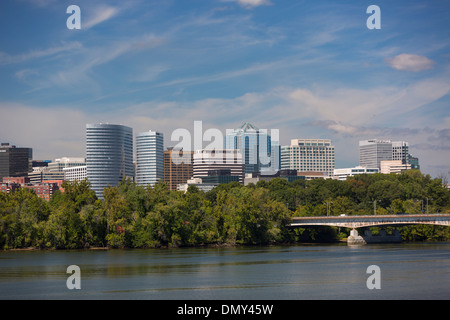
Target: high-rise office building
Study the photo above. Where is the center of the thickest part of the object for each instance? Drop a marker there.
(400, 151)
(216, 162)
(260, 151)
(109, 155)
(372, 152)
(14, 161)
(149, 157)
(178, 167)
(309, 155)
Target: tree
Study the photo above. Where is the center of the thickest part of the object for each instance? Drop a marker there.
(342, 205)
(118, 218)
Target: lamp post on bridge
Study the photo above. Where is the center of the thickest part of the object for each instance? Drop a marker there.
(328, 206)
(427, 203)
(375, 206)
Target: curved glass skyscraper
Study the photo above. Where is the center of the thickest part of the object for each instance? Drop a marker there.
(149, 157)
(109, 155)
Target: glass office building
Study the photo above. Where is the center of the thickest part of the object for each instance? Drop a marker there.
(14, 161)
(179, 171)
(149, 157)
(109, 155)
(260, 152)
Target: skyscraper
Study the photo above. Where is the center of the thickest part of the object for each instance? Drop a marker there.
(109, 155)
(306, 155)
(14, 161)
(212, 162)
(178, 167)
(260, 152)
(372, 152)
(400, 151)
(149, 157)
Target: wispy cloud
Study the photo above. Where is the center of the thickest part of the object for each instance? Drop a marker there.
(98, 15)
(41, 3)
(148, 73)
(83, 61)
(351, 130)
(72, 47)
(251, 3)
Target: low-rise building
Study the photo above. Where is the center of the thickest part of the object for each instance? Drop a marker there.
(393, 166)
(344, 173)
(42, 190)
(198, 182)
(75, 173)
(289, 175)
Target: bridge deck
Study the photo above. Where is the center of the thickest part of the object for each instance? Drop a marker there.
(373, 220)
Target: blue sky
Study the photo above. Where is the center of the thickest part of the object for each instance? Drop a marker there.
(311, 69)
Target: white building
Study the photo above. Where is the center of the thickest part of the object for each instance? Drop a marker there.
(56, 170)
(309, 155)
(149, 157)
(393, 166)
(372, 152)
(65, 162)
(198, 183)
(343, 173)
(75, 173)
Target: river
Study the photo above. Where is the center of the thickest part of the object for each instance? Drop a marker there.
(310, 271)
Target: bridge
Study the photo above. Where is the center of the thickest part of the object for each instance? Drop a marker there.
(355, 222)
(372, 221)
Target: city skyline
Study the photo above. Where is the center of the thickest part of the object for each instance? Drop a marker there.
(311, 70)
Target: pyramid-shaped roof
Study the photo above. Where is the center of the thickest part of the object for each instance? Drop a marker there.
(247, 126)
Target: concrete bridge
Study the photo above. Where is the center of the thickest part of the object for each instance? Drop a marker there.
(355, 222)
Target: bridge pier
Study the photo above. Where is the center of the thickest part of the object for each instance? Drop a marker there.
(355, 239)
(367, 237)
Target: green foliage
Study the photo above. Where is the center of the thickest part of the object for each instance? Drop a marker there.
(152, 216)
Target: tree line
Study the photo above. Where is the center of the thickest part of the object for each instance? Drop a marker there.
(132, 216)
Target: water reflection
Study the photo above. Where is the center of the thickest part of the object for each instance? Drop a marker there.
(290, 272)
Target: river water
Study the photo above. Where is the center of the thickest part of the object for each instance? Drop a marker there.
(319, 271)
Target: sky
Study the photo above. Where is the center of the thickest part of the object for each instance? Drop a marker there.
(311, 69)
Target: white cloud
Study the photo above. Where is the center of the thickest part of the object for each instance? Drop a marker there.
(410, 62)
(69, 124)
